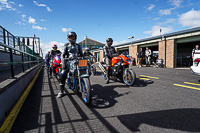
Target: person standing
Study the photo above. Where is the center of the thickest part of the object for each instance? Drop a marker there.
(139, 58)
(193, 51)
(148, 56)
(108, 52)
(47, 60)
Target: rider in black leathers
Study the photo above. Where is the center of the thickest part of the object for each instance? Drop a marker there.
(108, 52)
(71, 51)
(87, 52)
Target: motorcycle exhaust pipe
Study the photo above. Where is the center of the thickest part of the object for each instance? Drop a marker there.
(102, 68)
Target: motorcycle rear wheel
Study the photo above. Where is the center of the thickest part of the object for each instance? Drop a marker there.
(129, 77)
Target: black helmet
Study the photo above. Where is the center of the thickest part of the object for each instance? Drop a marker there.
(71, 34)
(109, 40)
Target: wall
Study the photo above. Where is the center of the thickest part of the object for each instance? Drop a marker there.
(170, 53)
(11, 90)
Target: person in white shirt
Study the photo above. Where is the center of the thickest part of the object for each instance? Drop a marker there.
(148, 56)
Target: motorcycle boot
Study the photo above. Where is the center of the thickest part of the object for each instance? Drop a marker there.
(108, 75)
(60, 94)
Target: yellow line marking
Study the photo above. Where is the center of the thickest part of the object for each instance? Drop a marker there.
(187, 86)
(149, 77)
(192, 83)
(143, 78)
(7, 125)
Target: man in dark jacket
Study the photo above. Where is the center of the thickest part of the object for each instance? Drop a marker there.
(71, 51)
(139, 58)
(108, 52)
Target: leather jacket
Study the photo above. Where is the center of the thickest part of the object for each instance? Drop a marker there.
(109, 51)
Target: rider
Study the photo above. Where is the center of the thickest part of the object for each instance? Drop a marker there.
(71, 51)
(87, 52)
(108, 52)
(54, 52)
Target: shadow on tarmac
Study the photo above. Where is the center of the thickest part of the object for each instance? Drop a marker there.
(187, 119)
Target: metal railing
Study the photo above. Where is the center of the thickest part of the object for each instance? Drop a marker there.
(12, 45)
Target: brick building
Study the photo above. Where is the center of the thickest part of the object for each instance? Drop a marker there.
(174, 48)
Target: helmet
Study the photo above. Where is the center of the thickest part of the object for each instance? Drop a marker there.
(109, 40)
(86, 49)
(70, 34)
(54, 46)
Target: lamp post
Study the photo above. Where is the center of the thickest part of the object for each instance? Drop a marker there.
(131, 38)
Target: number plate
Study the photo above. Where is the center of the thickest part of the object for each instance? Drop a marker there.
(82, 63)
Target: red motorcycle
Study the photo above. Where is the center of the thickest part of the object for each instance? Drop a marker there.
(57, 65)
(120, 69)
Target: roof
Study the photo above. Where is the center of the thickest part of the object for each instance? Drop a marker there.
(158, 37)
(89, 41)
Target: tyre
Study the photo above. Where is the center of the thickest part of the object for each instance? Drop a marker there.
(59, 74)
(85, 90)
(93, 69)
(129, 77)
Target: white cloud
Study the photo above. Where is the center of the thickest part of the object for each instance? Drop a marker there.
(168, 21)
(42, 5)
(4, 4)
(66, 29)
(156, 30)
(20, 5)
(43, 20)
(166, 11)
(31, 20)
(37, 4)
(19, 23)
(23, 17)
(48, 9)
(48, 46)
(151, 6)
(156, 18)
(176, 3)
(190, 18)
(38, 27)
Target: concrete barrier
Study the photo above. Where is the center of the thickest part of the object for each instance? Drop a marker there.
(12, 89)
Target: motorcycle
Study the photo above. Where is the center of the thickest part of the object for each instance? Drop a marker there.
(120, 69)
(78, 78)
(57, 64)
(92, 68)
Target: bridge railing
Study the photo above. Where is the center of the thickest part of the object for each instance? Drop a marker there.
(13, 46)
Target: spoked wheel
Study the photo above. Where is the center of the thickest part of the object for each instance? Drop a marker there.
(129, 77)
(93, 69)
(85, 86)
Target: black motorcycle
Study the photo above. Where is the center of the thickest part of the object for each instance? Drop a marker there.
(78, 78)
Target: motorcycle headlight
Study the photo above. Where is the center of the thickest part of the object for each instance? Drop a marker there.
(129, 61)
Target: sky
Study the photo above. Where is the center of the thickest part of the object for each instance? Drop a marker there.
(51, 20)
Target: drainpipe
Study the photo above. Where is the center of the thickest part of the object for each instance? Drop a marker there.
(165, 51)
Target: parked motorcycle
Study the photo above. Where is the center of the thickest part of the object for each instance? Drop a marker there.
(57, 64)
(78, 78)
(92, 68)
(120, 69)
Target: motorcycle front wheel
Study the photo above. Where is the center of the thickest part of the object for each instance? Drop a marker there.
(85, 90)
(129, 77)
